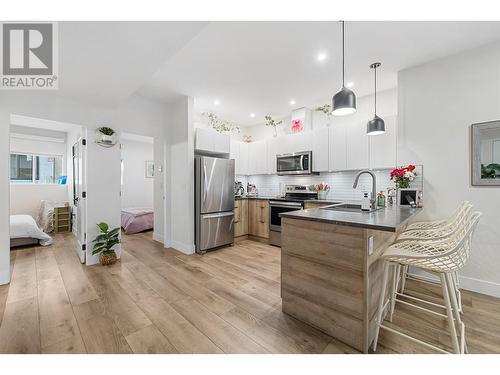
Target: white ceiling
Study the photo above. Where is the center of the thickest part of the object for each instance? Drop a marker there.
(106, 62)
(249, 67)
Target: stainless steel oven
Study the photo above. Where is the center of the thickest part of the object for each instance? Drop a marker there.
(275, 209)
(296, 163)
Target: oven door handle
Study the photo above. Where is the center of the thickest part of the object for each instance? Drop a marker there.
(285, 204)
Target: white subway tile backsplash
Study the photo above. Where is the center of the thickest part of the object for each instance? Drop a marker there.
(340, 183)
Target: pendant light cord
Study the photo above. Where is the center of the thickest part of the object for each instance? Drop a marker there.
(343, 55)
(375, 90)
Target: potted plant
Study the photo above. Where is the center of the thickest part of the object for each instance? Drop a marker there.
(106, 134)
(273, 123)
(327, 110)
(104, 243)
(220, 125)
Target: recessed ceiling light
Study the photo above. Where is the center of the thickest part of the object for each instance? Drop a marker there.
(349, 84)
(252, 115)
(321, 56)
(216, 102)
(292, 102)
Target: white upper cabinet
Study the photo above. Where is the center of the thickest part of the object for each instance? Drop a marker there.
(273, 149)
(208, 140)
(338, 147)
(296, 142)
(257, 157)
(239, 152)
(357, 146)
(243, 159)
(320, 150)
(383, 146)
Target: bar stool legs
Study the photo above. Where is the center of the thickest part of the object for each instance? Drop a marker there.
(381, 305)
(449, 312)
(450, 305)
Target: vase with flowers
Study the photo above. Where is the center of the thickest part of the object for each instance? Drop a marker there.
(403, 176)
(326, 109)
(273, 123)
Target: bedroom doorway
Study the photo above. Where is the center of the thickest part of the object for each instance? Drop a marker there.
(137, 185)
(47, 183)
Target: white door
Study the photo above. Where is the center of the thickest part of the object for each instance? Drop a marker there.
(79, 197)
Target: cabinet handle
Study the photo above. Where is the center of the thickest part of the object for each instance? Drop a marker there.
(236, 215)
(262, 214)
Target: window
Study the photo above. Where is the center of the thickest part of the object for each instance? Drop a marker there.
(35, 169)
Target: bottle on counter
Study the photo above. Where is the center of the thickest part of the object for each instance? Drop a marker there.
(365, 202)
(381, 199)
(420, 199)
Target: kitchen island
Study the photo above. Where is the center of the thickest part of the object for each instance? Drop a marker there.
(331, 272)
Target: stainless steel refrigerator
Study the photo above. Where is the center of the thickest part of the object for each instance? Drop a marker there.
(214, 202)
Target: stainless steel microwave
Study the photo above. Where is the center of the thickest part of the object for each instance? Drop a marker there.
(294, 163)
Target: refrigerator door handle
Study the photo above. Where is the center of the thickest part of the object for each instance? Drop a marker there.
(205, 188)
(216, 215)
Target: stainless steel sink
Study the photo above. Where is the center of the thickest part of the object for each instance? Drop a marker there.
(346, 207)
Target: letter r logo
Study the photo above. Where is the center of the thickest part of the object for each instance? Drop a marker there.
(27, 49)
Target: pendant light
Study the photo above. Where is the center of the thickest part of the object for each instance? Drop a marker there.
(375, 126)
(344, 101)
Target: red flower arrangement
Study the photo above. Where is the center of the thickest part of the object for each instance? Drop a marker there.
(403, 176)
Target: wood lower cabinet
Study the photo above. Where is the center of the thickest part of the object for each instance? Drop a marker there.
(258, 218)
(240, 217)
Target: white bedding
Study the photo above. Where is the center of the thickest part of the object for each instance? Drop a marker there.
(24, 226)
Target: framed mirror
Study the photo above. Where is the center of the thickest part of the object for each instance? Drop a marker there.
(485, 153)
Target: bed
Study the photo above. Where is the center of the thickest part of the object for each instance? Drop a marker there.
(25, 231)
(137, 219)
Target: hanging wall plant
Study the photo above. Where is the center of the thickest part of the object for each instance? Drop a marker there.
(105, 136)
(218, 124)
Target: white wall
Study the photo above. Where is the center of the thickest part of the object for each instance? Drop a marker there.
(437, 103)
(136, 115)
(26, 198)
(180, 174)
(137, 189)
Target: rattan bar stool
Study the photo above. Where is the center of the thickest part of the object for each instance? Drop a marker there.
(436, 224)
(445, 229)
(442, 258)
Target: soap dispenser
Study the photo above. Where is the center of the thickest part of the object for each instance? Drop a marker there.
(365, 202)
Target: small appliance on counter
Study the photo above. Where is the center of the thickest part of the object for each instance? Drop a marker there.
(239, 190)
(252, 190)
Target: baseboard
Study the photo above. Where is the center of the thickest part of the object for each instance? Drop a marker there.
(468, 283)
(182, 247)
(5, 276)
(480, 286)
(158, 237)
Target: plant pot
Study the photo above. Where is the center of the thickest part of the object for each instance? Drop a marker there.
(322, 194)
(107, 260)
(107, 139)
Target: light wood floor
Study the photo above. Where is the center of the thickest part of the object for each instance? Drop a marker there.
(160, 301)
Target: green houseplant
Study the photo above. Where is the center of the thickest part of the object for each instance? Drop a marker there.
(104, 243)
(106, 135)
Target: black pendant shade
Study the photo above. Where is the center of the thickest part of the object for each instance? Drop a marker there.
(344, 101)
(375, 126)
